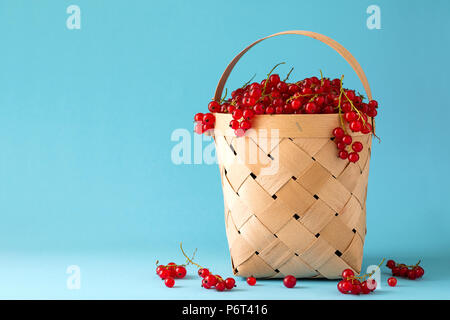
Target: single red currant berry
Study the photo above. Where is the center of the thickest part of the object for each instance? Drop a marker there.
(231, 108)
(205, 284)
(293, 88)
(274, 79)
(347, 139)
(159, 269)
(248, 114)
(347, 286)
(289, 281)
(320, 100)
(251, 281)
(213, 106)
(356, 289)
(357, 147)
(234, 124)
(198, 128)
(353, 157)
(237, 114)
(343, 154)
(211, 280)
(220, 286)
(338, 132)
(282, 87)
(373, 104)
(350, 95)
(270, 110)
(390, 264)
(279, 110)
(346, 107)
(169, 282)
(165, 273)
(207, 126)
(203, 272)
(296, 104)
(367, 128)
(311, 108)
(255, 93)
(239, 132)
(347, 273)
(229, 283)
(278, 102)
(245, 125)
(419, 272)
(392, 282)
(350, 116)
(258, 108)
(180, 272)
(356, 125)
(341, 288)
(341, 145)
(364, 288)
(209, 118)
(198, 117)
(371, 284)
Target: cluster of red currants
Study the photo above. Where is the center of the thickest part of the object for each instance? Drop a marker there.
(210, 280)
(353, 285)
(308, 96)
(170, 272)
(204, 122)
(402, 270)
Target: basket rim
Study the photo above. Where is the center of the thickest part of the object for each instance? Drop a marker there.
(287, 125)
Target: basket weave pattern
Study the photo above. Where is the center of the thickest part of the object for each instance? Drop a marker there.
(307, 220)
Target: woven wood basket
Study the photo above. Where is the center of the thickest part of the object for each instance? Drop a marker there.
(292, 207)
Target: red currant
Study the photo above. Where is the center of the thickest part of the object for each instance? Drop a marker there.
(169, 282)
(289, 281)
(392, 282)
(350, 116)
(343, 154)
(213, 106)
(353, 157)
(203, 272)
(180, 272)
(347, 273)
(198, 117)
(237, 114)
(274, 79)
(356, 125)
(234, 124)
(248, 114)
(338, 132)
(390, 264)
(245, 125)
(220, 286)
(347, 139)
(230, 283)
(311, 108)
(251, 281)
(209, 118)
(357, 147)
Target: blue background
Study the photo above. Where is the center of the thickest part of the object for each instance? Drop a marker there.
(86, 117)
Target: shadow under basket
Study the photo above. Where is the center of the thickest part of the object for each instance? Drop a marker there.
(292, 207)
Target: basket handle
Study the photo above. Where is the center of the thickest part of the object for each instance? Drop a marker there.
(333, 44)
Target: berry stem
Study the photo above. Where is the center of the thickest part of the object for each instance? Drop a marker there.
(190, 261)
(289, 73)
